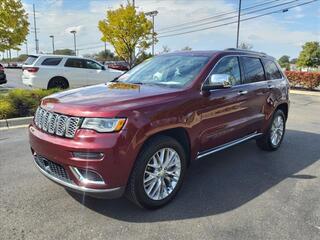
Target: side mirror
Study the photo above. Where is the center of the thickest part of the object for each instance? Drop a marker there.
(218, 81)
(103, 68)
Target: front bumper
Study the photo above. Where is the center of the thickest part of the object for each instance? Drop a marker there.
(114, 167)
(98, 193)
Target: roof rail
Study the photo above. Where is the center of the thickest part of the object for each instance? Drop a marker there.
(245, 50)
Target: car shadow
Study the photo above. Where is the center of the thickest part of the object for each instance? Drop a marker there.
(223, 181)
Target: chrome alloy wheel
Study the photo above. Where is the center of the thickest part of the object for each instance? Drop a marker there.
(277, 130)
(162, 173)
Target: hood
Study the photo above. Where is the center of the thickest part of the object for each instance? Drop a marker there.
(106, 98)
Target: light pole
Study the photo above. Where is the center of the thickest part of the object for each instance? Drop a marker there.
(74, 41)
(238, 28)
(152, 14)
(52, 37)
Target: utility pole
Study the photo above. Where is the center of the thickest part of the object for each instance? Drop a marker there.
(152, 14)
(238, 29)
(74, 41)
(133, 3)
(52, 37)
(35, 29)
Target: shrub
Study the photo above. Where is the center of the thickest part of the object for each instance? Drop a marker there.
(6, 109)
(308, 80)
(22, 102)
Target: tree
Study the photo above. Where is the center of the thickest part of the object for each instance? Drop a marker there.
(14, 25)
(129, 32)
(246, 46)
(143, 57)
(186, 48)
(65, 51)
(102, 56)
(165, 49)
(310, 55)
(284, 62)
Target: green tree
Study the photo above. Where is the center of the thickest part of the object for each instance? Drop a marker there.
(245, 46)
(186, 48)
(129, 32)
(284, 62)
(310, 55)
(14, 25)
(143, 57)
(65, 51)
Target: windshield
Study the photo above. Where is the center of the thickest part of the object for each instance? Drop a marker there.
(170, 70)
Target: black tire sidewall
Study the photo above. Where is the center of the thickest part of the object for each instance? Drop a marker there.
(276, 114)
(144, 157)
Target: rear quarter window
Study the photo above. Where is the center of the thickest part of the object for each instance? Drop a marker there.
(272, 71)
(30, 60)
(51, 61)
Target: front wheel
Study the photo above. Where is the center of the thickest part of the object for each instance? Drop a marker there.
(158, 173)
(271, 140)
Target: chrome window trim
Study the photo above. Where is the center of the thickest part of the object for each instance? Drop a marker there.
(239, 55)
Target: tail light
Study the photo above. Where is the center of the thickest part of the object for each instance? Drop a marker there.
(1, 68)
(31, 69)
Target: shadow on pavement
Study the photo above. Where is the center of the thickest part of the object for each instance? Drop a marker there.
(223, 181)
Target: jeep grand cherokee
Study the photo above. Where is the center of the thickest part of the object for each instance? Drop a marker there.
(137, 135)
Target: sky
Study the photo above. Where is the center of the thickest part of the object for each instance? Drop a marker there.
(277, 34)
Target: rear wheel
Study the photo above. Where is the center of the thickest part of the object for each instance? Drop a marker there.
(58, 82)
(158, 173)
(271, 140)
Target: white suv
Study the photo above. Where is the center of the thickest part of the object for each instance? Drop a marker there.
(58, 71)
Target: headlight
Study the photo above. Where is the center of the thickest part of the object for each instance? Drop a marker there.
(103, 124)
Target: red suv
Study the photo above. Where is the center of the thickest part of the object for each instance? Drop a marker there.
(138, 134)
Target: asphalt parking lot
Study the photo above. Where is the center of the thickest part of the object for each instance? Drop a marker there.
(240, 193)
(13, 79)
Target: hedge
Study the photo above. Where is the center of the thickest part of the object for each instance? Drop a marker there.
(308, 80)
(21, 102)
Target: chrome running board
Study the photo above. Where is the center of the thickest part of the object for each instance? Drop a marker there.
(227, 145)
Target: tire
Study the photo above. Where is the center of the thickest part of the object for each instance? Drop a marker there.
(266, 141)
(138, 184)
(58, 82)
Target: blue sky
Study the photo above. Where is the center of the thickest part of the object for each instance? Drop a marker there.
(276, 34)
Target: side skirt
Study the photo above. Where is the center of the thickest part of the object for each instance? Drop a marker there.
(227, 145)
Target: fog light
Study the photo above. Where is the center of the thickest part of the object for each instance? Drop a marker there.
(88, 155)
(87, 176)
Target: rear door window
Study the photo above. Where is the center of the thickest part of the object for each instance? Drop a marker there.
(51, 61)
(75, 63)
(30, 60)
(253, 69)
(272, 71)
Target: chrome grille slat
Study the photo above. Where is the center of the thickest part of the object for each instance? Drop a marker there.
(55, 123)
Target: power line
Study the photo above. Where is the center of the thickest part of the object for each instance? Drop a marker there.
(227, 18)
(242, 20)
(216, 16)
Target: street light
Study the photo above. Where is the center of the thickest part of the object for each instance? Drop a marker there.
(152, 14)
(52, 37)
(74, 41)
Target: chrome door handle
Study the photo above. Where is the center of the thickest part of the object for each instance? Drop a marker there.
(270, 86)
(242, 92)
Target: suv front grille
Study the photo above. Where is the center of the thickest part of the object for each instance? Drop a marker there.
(56, 124)
(52, 168)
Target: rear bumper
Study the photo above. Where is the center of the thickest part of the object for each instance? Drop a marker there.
(97, 193)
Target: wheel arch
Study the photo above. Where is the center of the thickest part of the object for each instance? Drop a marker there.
(58, 77)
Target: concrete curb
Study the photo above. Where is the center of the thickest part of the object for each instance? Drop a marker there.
(15, 122)
(302, 92)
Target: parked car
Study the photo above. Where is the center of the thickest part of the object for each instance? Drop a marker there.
(3, 78)
(138, 134)
(54, 71)
(118, 65)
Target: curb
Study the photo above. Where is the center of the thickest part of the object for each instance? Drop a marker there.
(301, 92)
(15, 122)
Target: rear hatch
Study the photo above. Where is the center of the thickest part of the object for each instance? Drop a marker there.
(28, 66)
